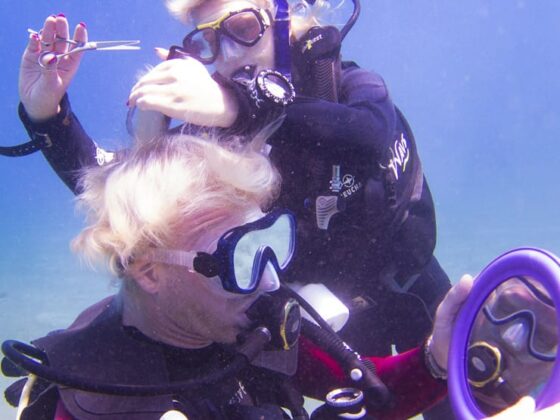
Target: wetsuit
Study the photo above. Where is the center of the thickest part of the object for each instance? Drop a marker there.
(102, 349)
(352, 176)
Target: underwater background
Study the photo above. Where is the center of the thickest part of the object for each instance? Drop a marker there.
(479, 82)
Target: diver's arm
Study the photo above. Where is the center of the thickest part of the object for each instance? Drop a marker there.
(364, 119)
(71, 148)
(412, 387)
(44, 109)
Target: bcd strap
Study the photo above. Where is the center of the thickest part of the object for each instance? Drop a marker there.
(39, 141)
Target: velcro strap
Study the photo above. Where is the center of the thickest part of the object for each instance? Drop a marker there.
(38, 142)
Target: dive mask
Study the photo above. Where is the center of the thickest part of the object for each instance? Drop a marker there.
(245, 27)
(242, 253)
(531, 329)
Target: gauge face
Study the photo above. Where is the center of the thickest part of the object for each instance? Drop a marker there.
(275, 87)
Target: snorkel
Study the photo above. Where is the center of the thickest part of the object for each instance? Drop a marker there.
(282, 56)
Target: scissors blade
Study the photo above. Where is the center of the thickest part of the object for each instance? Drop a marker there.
(112, 45)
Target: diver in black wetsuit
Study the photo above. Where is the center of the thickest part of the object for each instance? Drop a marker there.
(201, 326)
(350, 168)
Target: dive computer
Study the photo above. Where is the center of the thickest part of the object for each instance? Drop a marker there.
(269, 88)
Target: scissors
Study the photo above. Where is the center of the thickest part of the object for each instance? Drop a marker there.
(129, 45)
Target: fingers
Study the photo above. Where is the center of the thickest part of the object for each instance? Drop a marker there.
(81, 33)
(61, 33)
(80, 38)
(446, 315)
(188, 72)
(48, 34)
(162, 73)
(452, 302)
(34, 44)
(162, 53)
(549, 413)
(139, 92)
(157, 77)
(54, 38)
(45, 43)
(524, 408)
(161, 98)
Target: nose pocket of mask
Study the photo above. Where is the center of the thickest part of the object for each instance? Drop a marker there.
(269, 279)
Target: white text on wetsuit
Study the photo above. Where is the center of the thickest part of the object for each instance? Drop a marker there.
(400, 153)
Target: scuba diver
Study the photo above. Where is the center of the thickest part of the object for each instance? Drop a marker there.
(348, 159)
(350, 169)
(200, 308)
(201, 327)
(513, 344)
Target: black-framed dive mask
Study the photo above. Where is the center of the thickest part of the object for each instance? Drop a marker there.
(245, 27)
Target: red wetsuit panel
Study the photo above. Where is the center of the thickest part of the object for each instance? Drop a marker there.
(412, 387)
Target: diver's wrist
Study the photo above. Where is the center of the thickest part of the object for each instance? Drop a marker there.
(436, 371)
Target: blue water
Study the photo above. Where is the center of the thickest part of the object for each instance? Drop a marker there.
(478, 80)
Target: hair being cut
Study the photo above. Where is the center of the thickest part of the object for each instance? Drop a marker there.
(167, 183)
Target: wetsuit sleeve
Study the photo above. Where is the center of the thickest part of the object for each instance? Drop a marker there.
(412, 387)
(364, 119)
(71, 148)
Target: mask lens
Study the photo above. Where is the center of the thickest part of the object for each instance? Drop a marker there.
(244, 27)
(202, 44)
(278, 237)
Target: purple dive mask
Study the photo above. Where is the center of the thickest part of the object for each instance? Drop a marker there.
(505, 339)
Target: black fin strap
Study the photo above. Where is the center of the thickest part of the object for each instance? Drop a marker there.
(39, 141)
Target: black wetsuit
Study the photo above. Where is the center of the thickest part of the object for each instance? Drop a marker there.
(352, 176)
(106, 352)
(98, 348)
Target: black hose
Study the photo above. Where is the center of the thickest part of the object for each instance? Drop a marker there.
(352, 20)
(24, 355)
(326, 338)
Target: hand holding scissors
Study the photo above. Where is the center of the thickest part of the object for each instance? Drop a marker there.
(51, 60)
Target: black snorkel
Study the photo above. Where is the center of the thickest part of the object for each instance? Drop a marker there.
(282, 57)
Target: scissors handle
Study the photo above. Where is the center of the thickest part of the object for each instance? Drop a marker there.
(90, 46)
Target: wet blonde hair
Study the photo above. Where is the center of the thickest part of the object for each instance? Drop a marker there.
(182, 9)
(167, 183)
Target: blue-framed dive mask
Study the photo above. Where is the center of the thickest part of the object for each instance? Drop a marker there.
(531, 329)
(242, 253)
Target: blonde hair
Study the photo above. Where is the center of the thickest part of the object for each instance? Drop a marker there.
(182, 9)
(167, 183)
